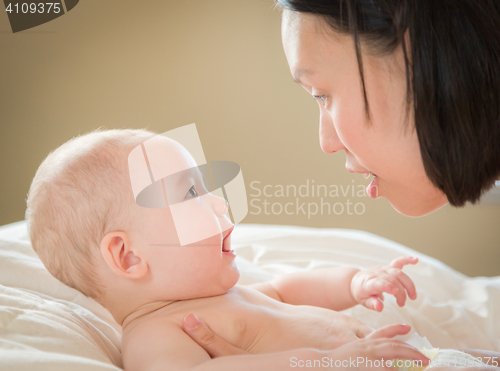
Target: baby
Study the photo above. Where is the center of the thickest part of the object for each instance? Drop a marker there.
(90, 233)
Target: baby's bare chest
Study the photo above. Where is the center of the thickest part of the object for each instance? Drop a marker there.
(258, 324)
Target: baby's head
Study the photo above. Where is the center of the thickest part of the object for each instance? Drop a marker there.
(90, 233)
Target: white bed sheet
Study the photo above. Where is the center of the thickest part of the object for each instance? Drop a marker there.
(46, 325)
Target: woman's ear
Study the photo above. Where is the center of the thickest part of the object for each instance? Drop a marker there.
(118, 254)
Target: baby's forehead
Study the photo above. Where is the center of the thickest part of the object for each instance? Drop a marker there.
(155, 159)
(166, 157)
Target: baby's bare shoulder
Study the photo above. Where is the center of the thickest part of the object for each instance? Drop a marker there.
(159, 341)
(146, 331)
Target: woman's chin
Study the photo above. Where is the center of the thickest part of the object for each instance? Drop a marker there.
(415, 207)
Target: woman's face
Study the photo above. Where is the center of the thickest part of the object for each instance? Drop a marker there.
(325, 64)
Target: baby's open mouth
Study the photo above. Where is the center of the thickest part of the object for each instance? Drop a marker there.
(226, 242)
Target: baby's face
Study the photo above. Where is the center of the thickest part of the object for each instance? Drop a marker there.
(202, 267)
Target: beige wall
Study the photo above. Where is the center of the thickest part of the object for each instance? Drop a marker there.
(218, 63)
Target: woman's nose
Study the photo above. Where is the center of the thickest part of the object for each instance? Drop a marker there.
(328, 138)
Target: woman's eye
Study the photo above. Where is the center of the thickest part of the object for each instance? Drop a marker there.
(321, 98)
(192, 192)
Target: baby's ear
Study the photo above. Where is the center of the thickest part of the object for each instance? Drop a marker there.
(119, 255)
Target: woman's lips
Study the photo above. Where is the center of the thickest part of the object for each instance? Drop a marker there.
(372, 188)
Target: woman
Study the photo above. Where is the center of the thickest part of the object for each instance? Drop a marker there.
(409, 89)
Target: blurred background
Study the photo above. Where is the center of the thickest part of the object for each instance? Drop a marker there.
(164, 64)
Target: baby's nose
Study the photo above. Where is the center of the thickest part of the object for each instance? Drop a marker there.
(220, 206)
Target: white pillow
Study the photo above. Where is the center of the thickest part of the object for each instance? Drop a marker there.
(44, 323)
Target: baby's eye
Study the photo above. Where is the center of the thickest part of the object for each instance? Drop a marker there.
(322, 98)
(192, 192)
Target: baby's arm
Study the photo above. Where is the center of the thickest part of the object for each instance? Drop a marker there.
(326, 288)
(342, 288)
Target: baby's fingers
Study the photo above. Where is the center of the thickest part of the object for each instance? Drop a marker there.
(402, 261)
(375, 303)
(394, 287)
(388, 284)
(400, 293)
(405, 281)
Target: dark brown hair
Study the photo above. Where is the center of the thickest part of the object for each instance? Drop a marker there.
(452, 73)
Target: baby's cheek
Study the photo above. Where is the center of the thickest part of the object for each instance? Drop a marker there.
(194, 222)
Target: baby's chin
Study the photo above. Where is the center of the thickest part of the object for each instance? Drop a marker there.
(208, 289)
(227, 283)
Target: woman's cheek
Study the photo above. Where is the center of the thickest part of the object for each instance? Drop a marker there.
(347, 127)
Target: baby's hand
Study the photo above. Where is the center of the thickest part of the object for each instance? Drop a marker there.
(368, 286)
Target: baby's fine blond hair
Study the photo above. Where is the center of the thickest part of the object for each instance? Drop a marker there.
(80, 192)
